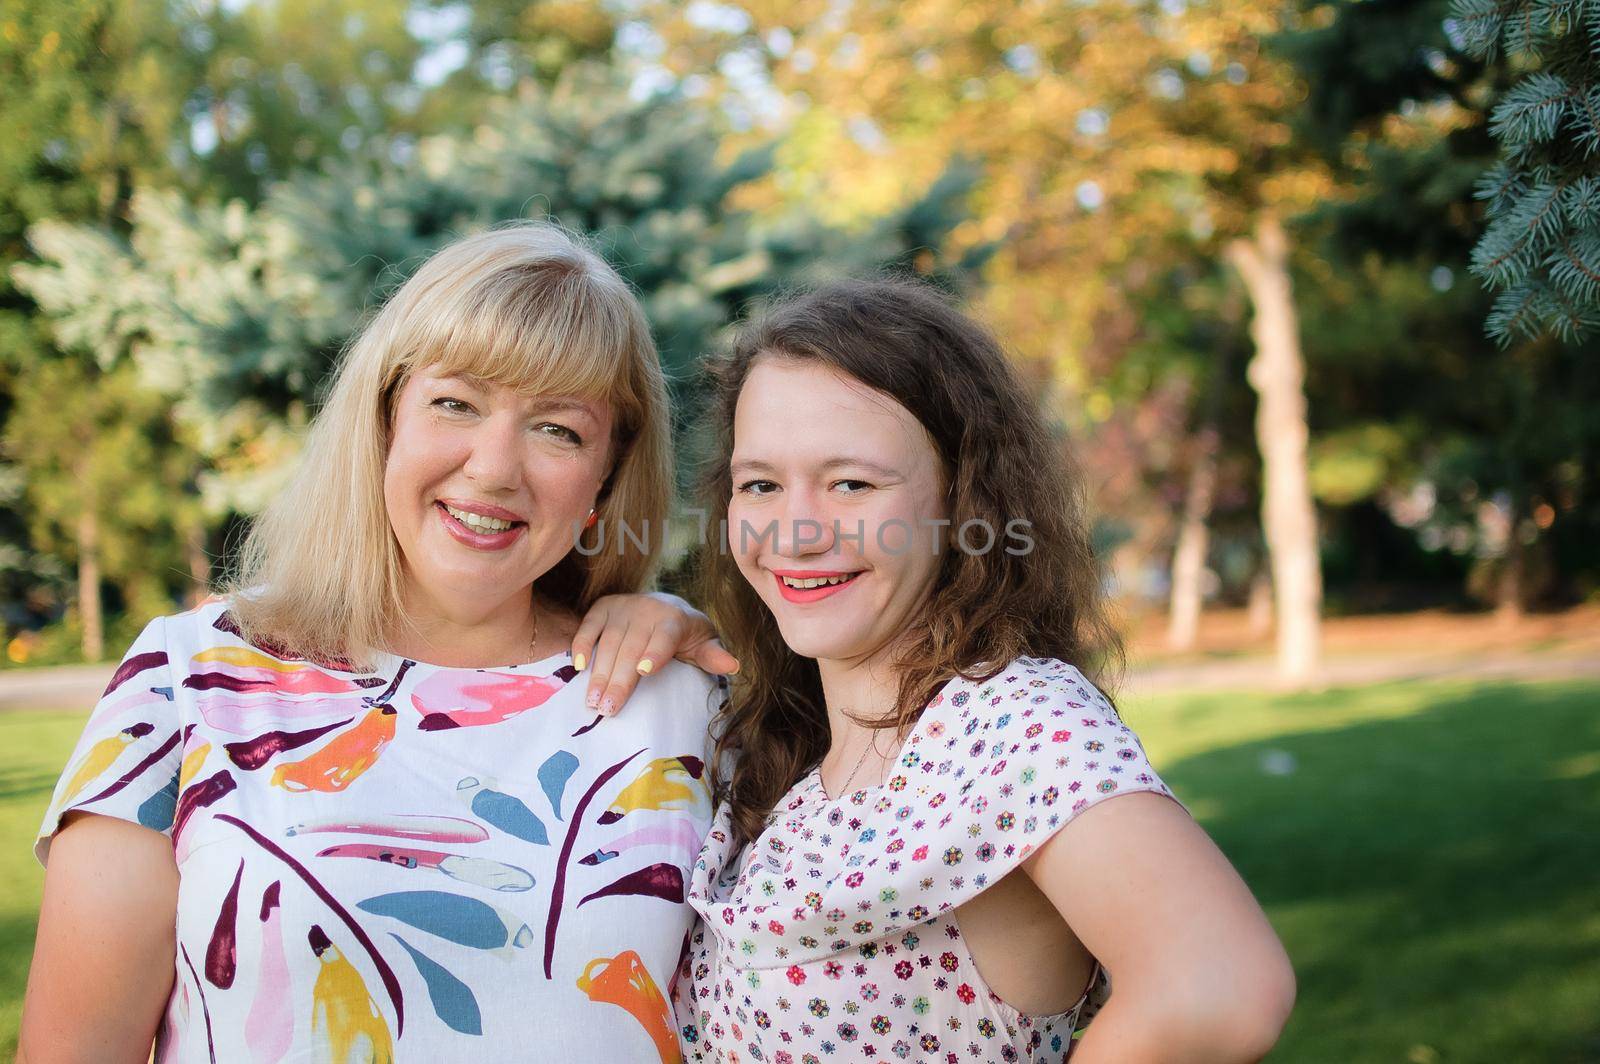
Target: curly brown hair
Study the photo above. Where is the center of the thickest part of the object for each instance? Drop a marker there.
(985, 609)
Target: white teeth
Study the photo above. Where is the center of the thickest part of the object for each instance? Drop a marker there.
(478, 522)
(820, 581)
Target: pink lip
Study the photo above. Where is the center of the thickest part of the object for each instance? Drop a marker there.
(485, 541)
(808, 594)
(483, 509)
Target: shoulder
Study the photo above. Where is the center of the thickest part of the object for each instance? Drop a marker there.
(208, 623)
(680, 687)
(676, 703)
(1038, 728)
(1019, 696)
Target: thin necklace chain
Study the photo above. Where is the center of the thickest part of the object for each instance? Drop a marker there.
(845, 787)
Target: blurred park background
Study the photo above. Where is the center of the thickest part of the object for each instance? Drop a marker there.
(1308, 288)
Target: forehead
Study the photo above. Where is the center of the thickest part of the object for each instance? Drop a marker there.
(793, 408)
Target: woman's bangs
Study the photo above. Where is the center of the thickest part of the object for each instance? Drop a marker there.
(544, 336)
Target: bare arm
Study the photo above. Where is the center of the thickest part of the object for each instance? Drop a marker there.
(1197, 973)
(103, 961)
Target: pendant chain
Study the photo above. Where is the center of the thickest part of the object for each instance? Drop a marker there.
(845, 788)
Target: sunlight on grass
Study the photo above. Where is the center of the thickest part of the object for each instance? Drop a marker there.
(1426, 850)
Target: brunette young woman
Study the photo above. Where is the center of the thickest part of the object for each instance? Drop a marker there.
(937, 839)
(373, 804)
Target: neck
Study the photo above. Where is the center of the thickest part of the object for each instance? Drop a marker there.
(866, 689)
(471, 636)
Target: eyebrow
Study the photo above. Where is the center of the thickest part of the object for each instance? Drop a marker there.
(758, 466)
(542, 404)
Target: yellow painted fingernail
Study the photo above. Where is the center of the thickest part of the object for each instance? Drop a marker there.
(645, 666)
(577, 661)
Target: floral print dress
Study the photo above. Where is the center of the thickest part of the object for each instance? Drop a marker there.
(415, 863)
(833, 936)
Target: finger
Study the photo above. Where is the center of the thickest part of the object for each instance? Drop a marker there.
(711, 656)
(605, 657)
(594, 622)
(625, 670)
(663, 642)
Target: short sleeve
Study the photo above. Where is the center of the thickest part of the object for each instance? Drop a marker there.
(991, 770)
(126, 763)
(1002, 767)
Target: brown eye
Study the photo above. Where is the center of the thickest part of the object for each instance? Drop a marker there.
(756, 487)
(561, 432)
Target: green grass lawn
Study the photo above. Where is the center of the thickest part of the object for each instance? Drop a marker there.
(1430, 853)
(33, 751)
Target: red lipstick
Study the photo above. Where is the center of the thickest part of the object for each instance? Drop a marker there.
(810, 594)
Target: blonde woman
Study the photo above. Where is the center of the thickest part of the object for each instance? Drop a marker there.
(362, 807)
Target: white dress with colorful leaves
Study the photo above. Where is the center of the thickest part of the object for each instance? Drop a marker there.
(833, 936)
(415, 863)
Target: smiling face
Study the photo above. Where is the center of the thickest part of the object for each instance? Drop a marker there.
(483, 486)
(817, 453)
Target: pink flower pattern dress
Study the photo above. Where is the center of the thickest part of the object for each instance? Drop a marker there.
(833, 936)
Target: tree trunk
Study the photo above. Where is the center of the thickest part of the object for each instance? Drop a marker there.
(1189, 559)
(89, 614)
(1508, 583)
(1258, 611)
(1288, 518)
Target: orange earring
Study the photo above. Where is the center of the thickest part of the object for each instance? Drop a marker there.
(593, 517)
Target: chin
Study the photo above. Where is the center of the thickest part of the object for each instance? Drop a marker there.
(816, 641)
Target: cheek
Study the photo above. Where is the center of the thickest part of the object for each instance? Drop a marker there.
(569, 477)
(399, 484)
(742, 553)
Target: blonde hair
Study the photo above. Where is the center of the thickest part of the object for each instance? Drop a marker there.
(528, 306)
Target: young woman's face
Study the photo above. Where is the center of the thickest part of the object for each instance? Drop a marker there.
(834, 482)
(483, 486)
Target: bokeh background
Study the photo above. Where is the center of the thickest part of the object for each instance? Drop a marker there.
(1306, 288)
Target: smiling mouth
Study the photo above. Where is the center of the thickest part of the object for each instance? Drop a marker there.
(806, 583)
(480, 523)
(802, 589)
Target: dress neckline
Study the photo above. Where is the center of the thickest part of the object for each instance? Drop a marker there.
(944, 693)
(387, 661)
(815, 775)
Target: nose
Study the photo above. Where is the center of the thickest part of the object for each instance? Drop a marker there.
(494, 462)
(805, 525)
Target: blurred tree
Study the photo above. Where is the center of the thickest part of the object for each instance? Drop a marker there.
(285, 84)
(1483, 454)
(94, 103)
(1541, 249)
(106, 487)
(1116, 138)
